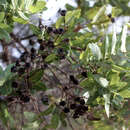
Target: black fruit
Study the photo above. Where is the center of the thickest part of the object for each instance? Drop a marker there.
(62, 103)
(55, 31)
(72, 106)
(31, 42)
(63, 12)
(49, 29)
(33, 50)
(82, 102)
(60, 30)
(109, 15)
(112, 20)
(17, 63)
(27, 65)
(45, 99)
(21, 71)
(14, 84)
(13, 69)
(41, 47)
(77, 99)
(75, 116)
(72, 78)
(66, 110)
(84, 74)
(25, 99)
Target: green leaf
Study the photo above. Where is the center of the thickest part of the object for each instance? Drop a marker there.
(59, 22)
(20, 20)
(95, 50)
(4, 35)
(36, 75)
(55, 120)
(6, 27)
(35, 29)
(48, 111)
(30, 116)
(102, 81)
(125, 93)
(23, 16)
(51, 57)
(39, 6)
(2, 15)
(107, 103)
(71, 16)
(39, 86)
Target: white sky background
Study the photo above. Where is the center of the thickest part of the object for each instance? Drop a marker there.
(50, 16)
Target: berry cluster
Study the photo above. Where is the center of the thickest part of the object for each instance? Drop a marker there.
(76, 107)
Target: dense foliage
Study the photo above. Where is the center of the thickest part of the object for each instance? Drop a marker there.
(80, 73)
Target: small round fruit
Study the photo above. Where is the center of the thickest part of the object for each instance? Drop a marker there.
(109, 15)
(25, 99)
(82, 102)
(66, 110)
(112, 20)
(63, 12)
(72, 106)
(77, 99)
(62, 103)
(14, 84)
(84, 74)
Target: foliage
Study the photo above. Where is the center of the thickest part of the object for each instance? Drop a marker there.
(99, 61)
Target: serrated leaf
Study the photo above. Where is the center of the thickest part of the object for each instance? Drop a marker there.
(39, 6)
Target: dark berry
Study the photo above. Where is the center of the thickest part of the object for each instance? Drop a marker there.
(25, 99)
(4, 57)
(31, 42)
(112, 20)
(55, 31)
(65, 88)
(84, 74)
(63, 12)
(45, 65)
(18, 92)
(17, 63)
(32, 56)
(21, 71)
(14, 84)
(66, 110)
(62, 103)
(44, 56)
(49, 29)
(33, 50)
(75, 116)
(45, 99)
(27, 65)
(109, 15)
(60, 51)
(13, 69)
(72, 78)
(10, 99)
(60, 30)
(41, 47)
(77, 99)
(66, 40)
(82, 102)
(85, 108)
(72, 106)
(40, 40)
